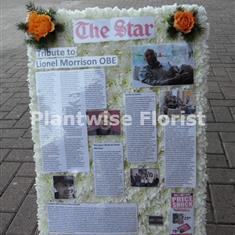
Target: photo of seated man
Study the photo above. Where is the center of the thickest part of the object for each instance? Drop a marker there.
(144, 177)
(64, 187)
(103, 122)
(160, 65)
(178, 102)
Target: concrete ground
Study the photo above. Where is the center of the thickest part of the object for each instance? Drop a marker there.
(17, 193)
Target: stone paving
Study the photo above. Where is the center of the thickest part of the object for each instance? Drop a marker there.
(17, 193)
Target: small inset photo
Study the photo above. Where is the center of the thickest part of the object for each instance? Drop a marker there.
(178, 102)
(142, 177)
(64, 187)
(103, 122)
(178, 218)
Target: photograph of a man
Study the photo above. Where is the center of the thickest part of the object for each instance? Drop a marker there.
(103, 122)
(162, 64)
(179, 102)
(64, 187)
(153, 71)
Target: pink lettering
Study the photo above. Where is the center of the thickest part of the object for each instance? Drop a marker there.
(129, 27)
(81, 30)
(104, 30)
(147, 28)
(138, 31)
(89, 31)
(96, 30)
(120, 28)
(132, 30)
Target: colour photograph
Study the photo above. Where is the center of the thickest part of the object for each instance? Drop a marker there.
(162, 65)
(178, 102)
(63, 187)
(103, 122)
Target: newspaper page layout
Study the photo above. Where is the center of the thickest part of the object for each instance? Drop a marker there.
(63, 141)
(180, 155)
(108, 169)
(141, 134)
(93, 219)
(182, 214)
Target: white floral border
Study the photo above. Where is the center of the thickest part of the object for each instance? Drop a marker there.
(150, 201)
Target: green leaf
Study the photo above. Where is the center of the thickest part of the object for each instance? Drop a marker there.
(172, 32)
(194, 11)
(59, 28)
(52, 12)
(170, 20)
(194, 34)
(22, 26)
(180, 8)
(30, 41)
(30, 6)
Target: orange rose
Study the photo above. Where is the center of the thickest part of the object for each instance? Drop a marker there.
(40, 25)
(184, 21)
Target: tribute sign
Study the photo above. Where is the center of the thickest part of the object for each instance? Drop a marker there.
(117, 106)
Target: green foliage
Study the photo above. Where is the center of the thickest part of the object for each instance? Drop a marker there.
(170, 20)
(179, 8)
(22, 26)
(59, 28)
(51, 12)
(30, 6)
(172, 32)
(194, 34)
(195, 13)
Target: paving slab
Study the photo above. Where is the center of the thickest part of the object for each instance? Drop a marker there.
(230, 153)
(213, 229)
(214, 144)
(24, 222)
(17, 112)
(24, 121)
(221, 176)
(15, 193)
(3, 154)
(27, 169)
(8, 171)
(7, 123)
(11, 133)
(16, 143)
(222, 114)
(216, 161)
(221, 127)
(5, 220)
(228, 136)
(20, 155)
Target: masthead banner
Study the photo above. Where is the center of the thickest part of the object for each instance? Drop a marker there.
(114, 29)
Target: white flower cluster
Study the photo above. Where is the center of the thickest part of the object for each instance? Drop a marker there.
(153, 201)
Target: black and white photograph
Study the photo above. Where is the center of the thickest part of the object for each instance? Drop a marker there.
(143, 177)
(178, 102)
(64, 187)
(162, 65)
